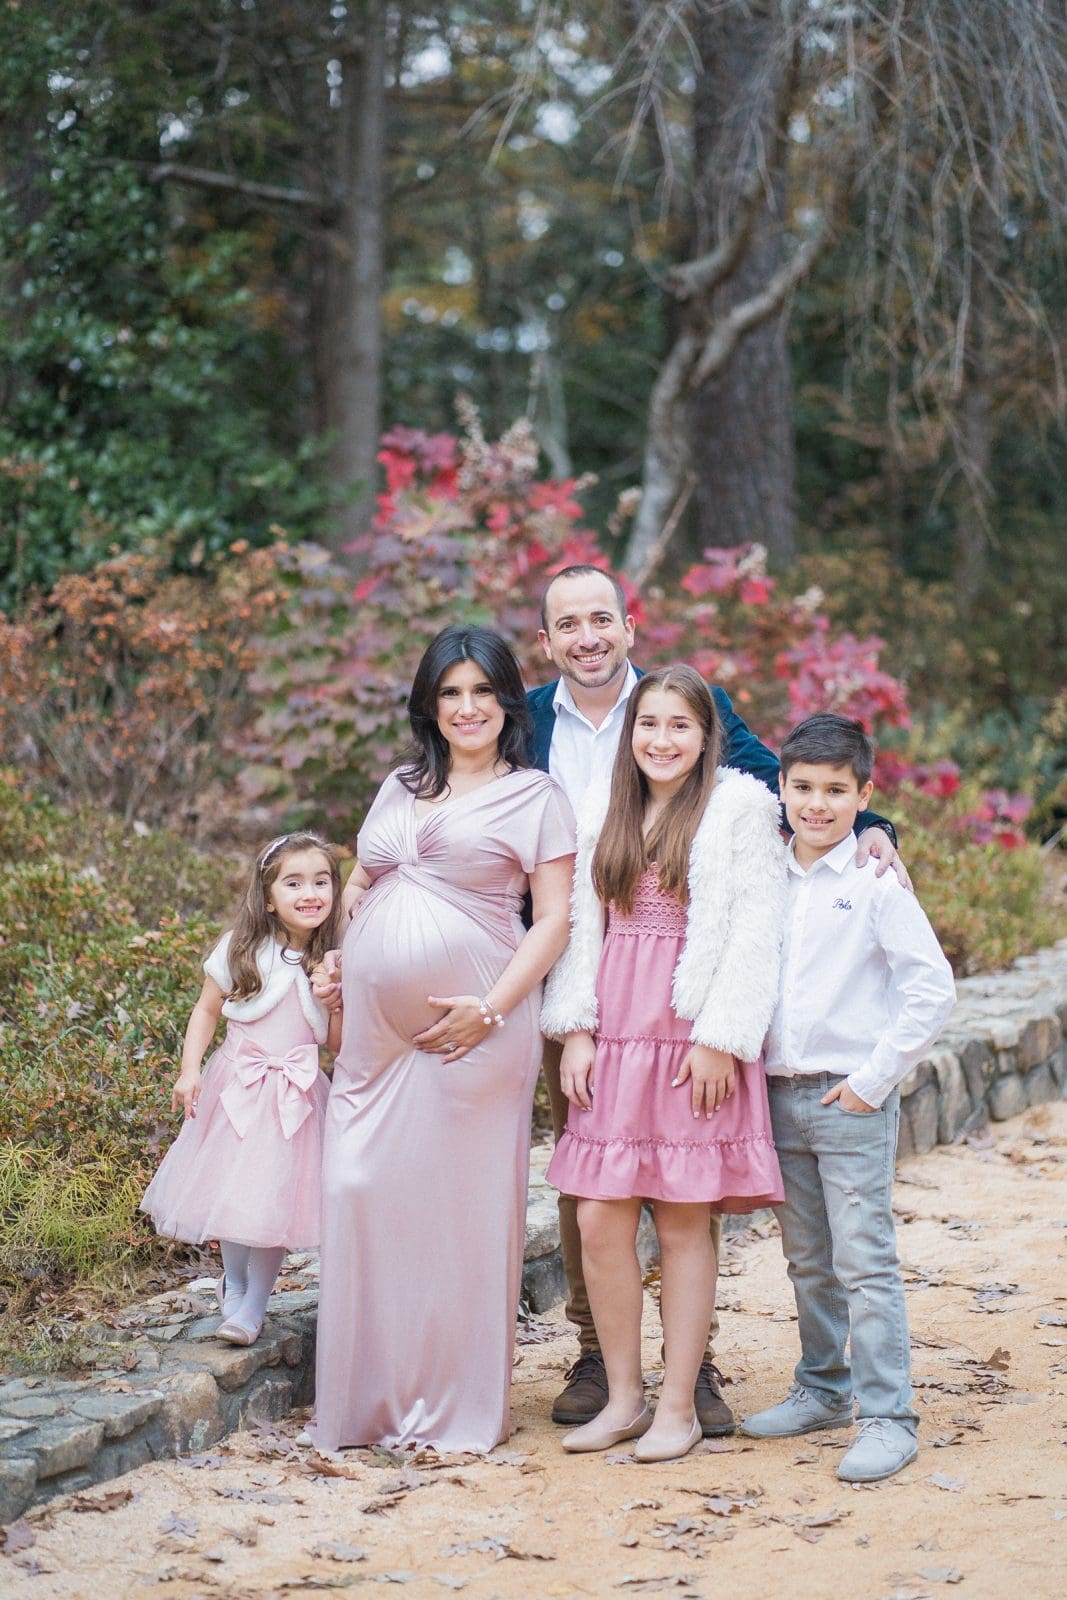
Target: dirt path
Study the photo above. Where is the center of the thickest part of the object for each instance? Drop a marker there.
(983, 1236)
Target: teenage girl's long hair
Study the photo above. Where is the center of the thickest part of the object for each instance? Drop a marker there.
(623, 853)
(426, 763)
(254, 923)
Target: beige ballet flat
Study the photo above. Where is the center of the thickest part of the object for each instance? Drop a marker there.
(237, 1333)
(594, 1436)
(669, 1449)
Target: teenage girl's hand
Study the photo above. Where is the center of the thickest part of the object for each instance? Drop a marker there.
(576, 1069)
(326, 981)
(186, 1091)
(713, 1075)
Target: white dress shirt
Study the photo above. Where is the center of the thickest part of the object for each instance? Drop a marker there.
(581, 754)
(865, 987)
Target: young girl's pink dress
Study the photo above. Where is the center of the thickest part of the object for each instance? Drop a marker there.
(641, 1139)
(247, 1167)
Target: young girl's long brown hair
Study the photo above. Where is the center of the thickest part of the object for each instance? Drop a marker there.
(255, 923)
(623, 852)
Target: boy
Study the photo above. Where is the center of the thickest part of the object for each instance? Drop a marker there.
(864, 991)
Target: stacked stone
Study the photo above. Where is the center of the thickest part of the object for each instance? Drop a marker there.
(182, 1394)
(1002, 1051)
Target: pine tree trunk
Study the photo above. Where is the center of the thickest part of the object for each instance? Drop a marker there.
(741, 421)
(347, 332)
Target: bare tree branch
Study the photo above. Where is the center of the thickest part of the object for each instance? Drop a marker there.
(203, 178)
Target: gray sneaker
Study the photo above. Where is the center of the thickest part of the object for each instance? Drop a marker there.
(882, 1447)
(800, 1412)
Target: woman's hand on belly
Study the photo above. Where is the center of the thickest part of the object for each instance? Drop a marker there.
(462, 1026)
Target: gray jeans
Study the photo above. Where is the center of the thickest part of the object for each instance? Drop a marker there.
(840, 1243)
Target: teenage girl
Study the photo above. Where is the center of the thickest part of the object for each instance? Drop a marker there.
(245, 1168)
(663, 996)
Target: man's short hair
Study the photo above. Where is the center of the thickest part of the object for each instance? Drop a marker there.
(829, 740)
(582, 569)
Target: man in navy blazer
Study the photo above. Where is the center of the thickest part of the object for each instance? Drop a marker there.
(587, 634)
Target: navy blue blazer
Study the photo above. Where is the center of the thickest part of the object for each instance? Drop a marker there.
(740, 747)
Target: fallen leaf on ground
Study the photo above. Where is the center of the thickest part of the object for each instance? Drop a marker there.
(262, 1497)
(727, 1504)
(336, 1550)
(941, 1481)
(496, 1547)
(999, 1361)
(941, 1574)
(180, 1527)
(110, 1500)
(19, 1536)
(533, 1332)
(653, 1585)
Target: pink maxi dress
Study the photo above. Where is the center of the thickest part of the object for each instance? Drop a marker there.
(426, 1166)
(640, 1139)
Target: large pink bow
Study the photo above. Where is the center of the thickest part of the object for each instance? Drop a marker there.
(294, 1075)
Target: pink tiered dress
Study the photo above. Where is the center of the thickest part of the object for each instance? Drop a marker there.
(248, 1166)
(640, 1139)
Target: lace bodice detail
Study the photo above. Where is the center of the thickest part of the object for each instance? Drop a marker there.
(652, 912)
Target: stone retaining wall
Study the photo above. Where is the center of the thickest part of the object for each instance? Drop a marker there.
(163, 1386)
(1001, 1051)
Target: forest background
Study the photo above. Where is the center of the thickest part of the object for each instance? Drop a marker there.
(326, 324)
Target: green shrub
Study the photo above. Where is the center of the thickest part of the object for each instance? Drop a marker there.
(988, 904)
(77, 1217)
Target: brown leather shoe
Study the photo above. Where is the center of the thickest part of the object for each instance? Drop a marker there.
(586, 1391)
(713, 1414)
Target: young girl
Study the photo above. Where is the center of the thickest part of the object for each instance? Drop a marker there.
(245, 1168)
(663, 1017)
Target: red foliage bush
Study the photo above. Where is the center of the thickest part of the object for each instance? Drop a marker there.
(127, 686)
(467, 532)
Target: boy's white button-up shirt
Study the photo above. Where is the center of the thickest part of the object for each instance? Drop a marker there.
(581, 754)
(865, 987)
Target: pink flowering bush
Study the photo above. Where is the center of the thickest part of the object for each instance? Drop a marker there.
(466, 531)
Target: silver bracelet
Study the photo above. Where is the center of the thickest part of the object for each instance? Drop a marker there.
(489, 1016)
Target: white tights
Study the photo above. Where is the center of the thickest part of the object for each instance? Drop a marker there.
(250, 1277)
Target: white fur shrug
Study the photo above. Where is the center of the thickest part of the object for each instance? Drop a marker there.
(726, 979)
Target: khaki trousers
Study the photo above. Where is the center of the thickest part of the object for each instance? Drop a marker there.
(570, 1241)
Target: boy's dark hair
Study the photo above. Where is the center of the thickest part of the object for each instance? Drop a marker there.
(832, 741)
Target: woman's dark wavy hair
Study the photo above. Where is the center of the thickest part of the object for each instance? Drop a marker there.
(424, 766)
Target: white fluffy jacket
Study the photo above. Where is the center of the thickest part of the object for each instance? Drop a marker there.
(726, 979)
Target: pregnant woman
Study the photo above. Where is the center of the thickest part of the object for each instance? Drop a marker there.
(428, 1122)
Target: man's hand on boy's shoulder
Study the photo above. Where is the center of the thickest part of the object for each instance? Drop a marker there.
(877, 843)
(846, 1098)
